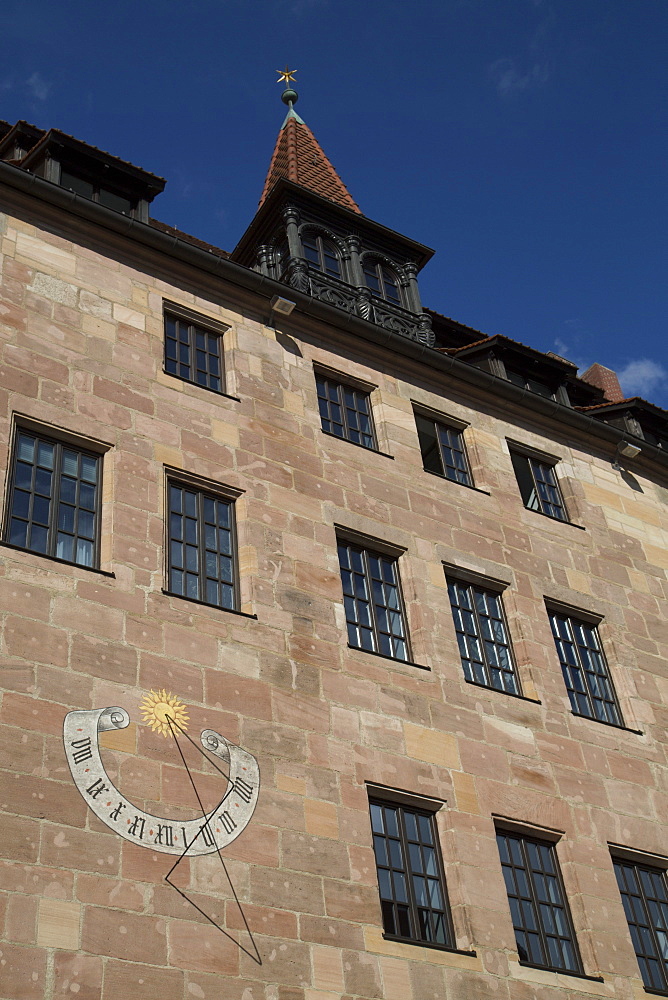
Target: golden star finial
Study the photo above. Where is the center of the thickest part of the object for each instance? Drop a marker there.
(286, 76)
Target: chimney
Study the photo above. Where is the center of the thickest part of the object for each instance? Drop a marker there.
(605, 379)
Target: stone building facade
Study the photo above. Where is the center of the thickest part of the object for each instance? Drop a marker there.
(434, 692)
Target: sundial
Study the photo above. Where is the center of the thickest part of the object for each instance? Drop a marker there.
(209, 831)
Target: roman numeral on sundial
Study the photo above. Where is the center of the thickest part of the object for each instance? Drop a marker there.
(83, 750)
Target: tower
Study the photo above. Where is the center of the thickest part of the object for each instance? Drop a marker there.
(309, 233)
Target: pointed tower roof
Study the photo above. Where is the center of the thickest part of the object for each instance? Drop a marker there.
(299, 157)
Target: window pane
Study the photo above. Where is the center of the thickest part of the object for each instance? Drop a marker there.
(26, 448)
(70, 463)
(87, 496)
(115, 201)
(76, 184)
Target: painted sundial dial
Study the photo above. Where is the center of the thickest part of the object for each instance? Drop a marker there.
(210, 830)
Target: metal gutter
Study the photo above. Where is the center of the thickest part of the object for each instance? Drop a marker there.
(144, 234)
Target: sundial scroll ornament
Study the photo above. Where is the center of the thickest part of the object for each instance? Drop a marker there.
(204, 834)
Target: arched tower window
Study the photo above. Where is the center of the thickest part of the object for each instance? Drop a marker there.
(321, 253)
(382, 280)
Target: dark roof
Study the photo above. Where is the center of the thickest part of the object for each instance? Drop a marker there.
(187, 238)
(21, 129)
(631, 402)
(54, 135)
(553, 360)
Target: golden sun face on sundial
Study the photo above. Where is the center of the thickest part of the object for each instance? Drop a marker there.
(158, 706)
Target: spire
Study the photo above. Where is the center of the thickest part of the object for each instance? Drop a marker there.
(299, 157)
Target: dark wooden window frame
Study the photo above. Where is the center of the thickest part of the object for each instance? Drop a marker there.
(639, 914)
(195, 323)
(204, 490)
(540, 472)
(66, 441)
(322, 244)
(361, 390)
(460, 474)
(370, 548)
(602, 678)
(533, 903)
(381, 269)
(408, 859)
(485, 659)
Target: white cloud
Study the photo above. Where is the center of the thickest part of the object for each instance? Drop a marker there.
(643, 377)
(38, 86)
(510, 81)
(572, 352)
(513, 76)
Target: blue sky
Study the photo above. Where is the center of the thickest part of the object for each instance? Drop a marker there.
(524, 140)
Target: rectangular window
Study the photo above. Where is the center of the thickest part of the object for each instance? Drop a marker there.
(372, 599)
(482, 635)
(55, 499)
(201, 547)
(193, 352)
(542, 923)
(442, 450)
(584, 668)
(411, 883)
(345, 412)
(538, 486)
(110, 199)
(532, 384)
(644, 892)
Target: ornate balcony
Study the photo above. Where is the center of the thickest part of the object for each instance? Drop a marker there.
(359, 302)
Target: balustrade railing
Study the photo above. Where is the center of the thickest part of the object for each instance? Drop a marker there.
(360, 302)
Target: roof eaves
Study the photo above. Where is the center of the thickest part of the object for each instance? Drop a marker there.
(55, 135)
(164, 227)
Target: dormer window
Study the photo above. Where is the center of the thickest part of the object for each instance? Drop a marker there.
(382, 281)
(322, 254)
(532, 384)
(95, 192)
(658, 440)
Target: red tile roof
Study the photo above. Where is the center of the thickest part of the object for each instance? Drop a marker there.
(630, 401)
(299, 157)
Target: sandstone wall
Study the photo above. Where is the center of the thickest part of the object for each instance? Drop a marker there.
(88, 914)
